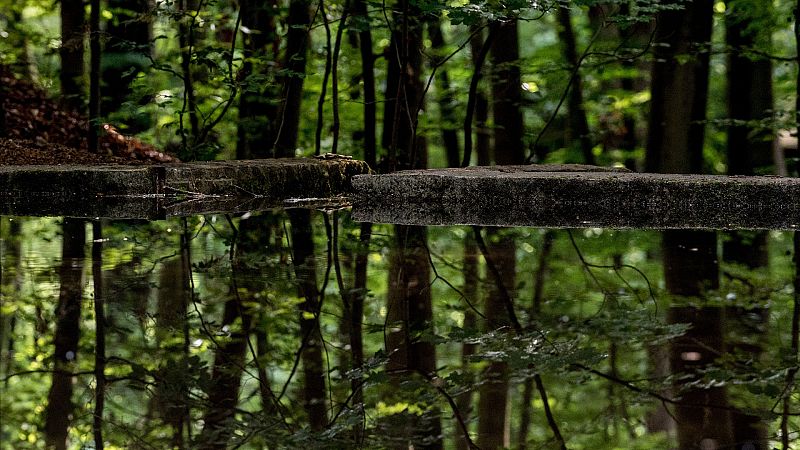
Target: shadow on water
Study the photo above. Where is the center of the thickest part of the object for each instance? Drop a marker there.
(305, 328)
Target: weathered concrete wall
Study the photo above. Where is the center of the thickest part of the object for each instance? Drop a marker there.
(155, 191)
(552, 197)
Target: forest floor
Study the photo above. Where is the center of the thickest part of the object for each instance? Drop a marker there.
(36, 129)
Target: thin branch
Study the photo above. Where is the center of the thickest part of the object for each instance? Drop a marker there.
(473, 94)
(437, 384)
(450, 285)
(518, 329)
(548, 413)
(572, 78)
(208, 126)
(508, 302)
(439, 62)
(335, 76)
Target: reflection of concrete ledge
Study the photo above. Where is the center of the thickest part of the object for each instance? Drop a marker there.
(563, 197)
(153, 191)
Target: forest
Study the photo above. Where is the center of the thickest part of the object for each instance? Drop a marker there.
(302, 328)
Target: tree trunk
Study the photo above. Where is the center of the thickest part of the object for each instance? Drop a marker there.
(229, 360)
(94, 78)
(10, 281)
(493, 392)
(313, 365)
(691, 268)
(73, 21)
(533, 313)
(172, 299)
(679, 91)
(446, 101)
(186, 42)
(749, 89)
(409, 314)
(297, 43)
(355, 327)
(508, 149)
(403, 97)
(749, 99)
(68, 315)
(368, 77)
(100, 333)
(675, 145)
(483, 137)
(506, 94)
(409, 307)
(359, 291)
(470, 290)
(127, 50)
(258, 112)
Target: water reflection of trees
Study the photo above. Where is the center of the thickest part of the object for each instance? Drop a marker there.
(215, 353)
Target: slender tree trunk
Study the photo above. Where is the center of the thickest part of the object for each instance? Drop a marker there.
(579, 125)
(482, 134)
(229, 360)
(470, 290)
(409, 314)
(94, 78)
(128, 45)
(297, 43)
(506, 94)
(357, 297)
(403, 97)
(446, 101)
(533, 314)
(68, 315)
(313, 364)
(100, 334)
(493, 392)
(359, 291)
(10, 281)
(409, 307)
(749, 89)
(268, 399)
(691, 267)
(186, 42)
(73, 21)
(172, 297)
(258, 112)
(508, 149)
(361, 17)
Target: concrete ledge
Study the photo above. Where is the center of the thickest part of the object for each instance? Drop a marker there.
(567, 197)
(155, 191)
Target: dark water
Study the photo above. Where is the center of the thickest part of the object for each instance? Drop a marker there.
(244, 332)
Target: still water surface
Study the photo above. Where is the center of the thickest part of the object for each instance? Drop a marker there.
(266, 331)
